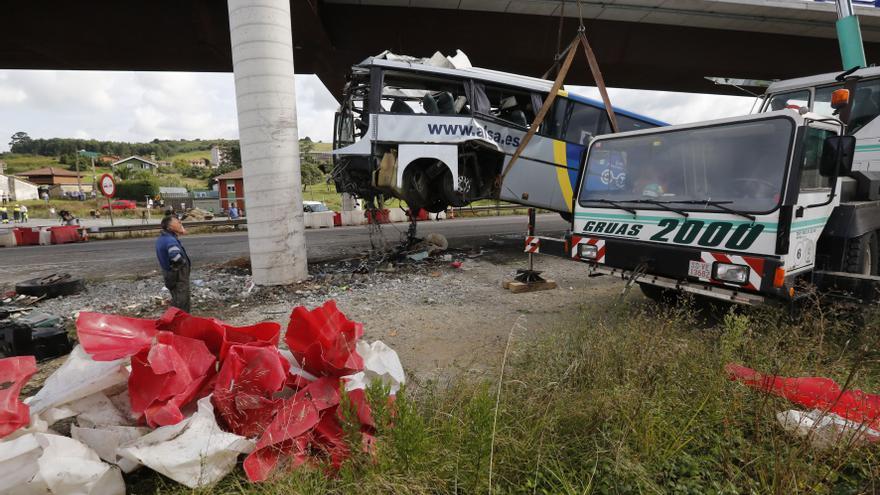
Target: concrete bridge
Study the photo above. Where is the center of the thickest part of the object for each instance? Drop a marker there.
(643, 44)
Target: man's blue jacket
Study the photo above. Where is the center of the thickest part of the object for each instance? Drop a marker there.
(170, 251)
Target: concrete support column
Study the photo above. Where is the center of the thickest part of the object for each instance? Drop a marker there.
(262, 62)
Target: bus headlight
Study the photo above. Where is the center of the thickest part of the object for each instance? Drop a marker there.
(588, 251)
(726, 272)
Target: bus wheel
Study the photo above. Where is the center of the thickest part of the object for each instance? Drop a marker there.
(415, 187)
(861, 255)
(659, 294)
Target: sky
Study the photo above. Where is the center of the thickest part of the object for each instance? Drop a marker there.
(142, 106)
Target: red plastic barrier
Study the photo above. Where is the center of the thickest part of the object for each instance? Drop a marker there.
(814, 393)
(25, 236)
(245, 388)
(14, 373)
(323, 341)
(64, 234)
(337, 219)
(378, 216)
(168, 376)
(110, 337)
(218, 336)
(292, 433)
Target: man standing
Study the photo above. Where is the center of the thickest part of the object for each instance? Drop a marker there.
(174, 262)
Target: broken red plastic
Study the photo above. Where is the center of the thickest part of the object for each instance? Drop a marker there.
(14, 373)
(110, 337)
(168, 376)
(208, 330)
(245, 386)
(323, 340)
(292, 432)
(814, 393)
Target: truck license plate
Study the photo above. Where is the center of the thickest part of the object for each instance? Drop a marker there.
(699, 269)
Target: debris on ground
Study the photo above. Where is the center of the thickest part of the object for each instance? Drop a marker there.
(197, 214)
(186, 396)
(835, 415)
(54, 285)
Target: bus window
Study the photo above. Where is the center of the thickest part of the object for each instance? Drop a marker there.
(555, 120)
(865, 105)
(583, 123)
(405, 94)
(510, 105)
(793, 99)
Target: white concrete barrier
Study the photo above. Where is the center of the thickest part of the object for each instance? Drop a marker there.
(353, 217)
(319, 219)
(7, 238)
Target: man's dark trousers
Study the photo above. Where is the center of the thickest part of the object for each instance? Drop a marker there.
(177, 281)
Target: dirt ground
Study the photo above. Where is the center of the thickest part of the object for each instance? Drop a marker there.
(441, 320)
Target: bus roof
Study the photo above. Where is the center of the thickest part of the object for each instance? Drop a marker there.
(817, 80)
(507, 78)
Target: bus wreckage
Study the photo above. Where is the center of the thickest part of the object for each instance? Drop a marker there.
(437, 133)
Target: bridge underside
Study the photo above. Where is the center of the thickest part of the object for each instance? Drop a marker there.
(193, 35)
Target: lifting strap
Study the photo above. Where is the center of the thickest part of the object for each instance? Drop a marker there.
(579, 39)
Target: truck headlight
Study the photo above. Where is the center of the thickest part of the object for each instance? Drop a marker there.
(727, 272)
(588, 251)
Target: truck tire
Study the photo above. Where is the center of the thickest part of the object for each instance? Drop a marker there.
(39, 287)
(861, 255)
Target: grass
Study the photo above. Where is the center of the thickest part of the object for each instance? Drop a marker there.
(190, 155)
(17, 163)
(631, 399)
(80, 209)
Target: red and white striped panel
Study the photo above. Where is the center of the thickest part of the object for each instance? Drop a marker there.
(533, 244)
(599, 243)
(756, 266)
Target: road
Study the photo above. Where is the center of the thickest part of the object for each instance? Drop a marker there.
(113, 258)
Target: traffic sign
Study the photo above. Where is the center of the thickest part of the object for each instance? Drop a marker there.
(108, 187)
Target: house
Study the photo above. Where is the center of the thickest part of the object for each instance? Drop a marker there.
(197, 162)
(136, 162)
(231, 190)
(218, 156)
(107, 159)
(16, 189)
(58, 181)
(165, 163)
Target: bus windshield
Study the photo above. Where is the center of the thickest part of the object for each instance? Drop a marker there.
(739, 165)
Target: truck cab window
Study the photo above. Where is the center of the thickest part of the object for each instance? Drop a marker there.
(814, 140)
(865, 105)
(822, 100)
(792, 99)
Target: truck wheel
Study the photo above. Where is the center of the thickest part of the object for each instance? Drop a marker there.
(659, 294)
(861, 255)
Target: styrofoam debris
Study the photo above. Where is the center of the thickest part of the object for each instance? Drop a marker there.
(380, 363)
(825, 429)
(80, 376)
(40, 463)
(195, 452)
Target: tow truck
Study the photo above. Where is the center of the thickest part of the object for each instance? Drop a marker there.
(749, 209)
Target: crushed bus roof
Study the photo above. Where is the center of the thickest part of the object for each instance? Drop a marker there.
(489, 75)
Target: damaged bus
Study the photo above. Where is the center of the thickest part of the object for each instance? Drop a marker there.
(439, 135)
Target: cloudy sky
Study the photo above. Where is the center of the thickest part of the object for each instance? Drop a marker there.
(141, 106)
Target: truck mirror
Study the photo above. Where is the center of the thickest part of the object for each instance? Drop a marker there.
(837, 156)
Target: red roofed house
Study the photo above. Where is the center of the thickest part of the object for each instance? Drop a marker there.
(58, 181)
(231, 187)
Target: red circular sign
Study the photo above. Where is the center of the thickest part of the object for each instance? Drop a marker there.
(107, 186)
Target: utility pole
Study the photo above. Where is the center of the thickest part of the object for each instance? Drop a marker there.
(262, 62)
(849, 36)
(79, 185)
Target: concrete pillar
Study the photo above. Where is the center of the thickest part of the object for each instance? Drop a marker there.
(262, 61)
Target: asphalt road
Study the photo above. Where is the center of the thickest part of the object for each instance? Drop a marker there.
(113, 258)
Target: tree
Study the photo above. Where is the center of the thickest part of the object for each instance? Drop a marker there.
(123, 172)
(19, 139)
(310, 174)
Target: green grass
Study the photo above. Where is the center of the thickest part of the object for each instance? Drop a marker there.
(17, 163)
(629, 399)
(80, 209)
(190, 155)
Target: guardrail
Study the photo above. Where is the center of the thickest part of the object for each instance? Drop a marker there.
(156, 226)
